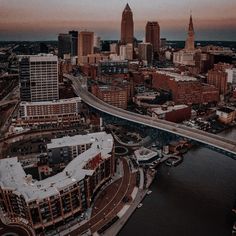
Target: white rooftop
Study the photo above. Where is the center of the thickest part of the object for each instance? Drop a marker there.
(144, 154)
(166, 109)
(60, 101)
(12, 175)
(177, 77)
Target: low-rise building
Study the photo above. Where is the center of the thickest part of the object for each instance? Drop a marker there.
(145, 156)
(52, 201)
(175, 114)
(59, 112)
(226, 115)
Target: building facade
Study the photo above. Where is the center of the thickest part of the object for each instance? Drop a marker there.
(86, 43)
(184, 89)
(127, 26)
(50, 202)
(60, 112)
(145, 52)
(113, 95)
(38, 78)
(74, 42)
(64, 45)
(153, 35)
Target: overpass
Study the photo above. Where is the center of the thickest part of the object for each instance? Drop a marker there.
(218, 142)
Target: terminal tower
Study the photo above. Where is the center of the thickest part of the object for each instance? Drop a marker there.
(189, 44)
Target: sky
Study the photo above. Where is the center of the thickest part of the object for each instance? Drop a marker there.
(45, 19)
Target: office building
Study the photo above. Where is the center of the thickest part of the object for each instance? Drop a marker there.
(145, 52)
(153, 36)
(74, 43)
(38, 78)
(86, 43)
(64, 44)
(127, 26)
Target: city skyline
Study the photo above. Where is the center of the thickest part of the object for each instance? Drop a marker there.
(32, 20)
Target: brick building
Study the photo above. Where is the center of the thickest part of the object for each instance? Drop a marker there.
(184, 89)
(113, 95)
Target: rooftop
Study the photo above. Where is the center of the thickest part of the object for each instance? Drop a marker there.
(166, 109)
(177, 77)
(12, 175)
(144, 154)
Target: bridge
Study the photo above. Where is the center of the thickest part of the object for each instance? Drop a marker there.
(218, 142)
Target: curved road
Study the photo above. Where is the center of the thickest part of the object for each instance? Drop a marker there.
(181, 130)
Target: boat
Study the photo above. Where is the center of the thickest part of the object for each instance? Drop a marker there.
(149, 192)
(140, 205)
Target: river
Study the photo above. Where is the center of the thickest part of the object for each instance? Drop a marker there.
(192, 199)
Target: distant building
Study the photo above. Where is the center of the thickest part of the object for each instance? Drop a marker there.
(86, 43)
(38, 78)
(153, 36)
(219, 77)
(64, 44)
(74, 42)
(226, 115)
(50, 202)
(114, 48)
(187, 55)
(145, 52)
(93, 58)
(113, 67)
(127, 26)
(60, 113)
(126, 51)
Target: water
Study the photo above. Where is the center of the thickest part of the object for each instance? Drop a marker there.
(192, 199)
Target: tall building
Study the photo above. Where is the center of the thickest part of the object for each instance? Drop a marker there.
(187, 56)
(127, 26)
(38, 78)
(74, 42)
(127, 51)
(145, 51)
(64, 44)
(86, 42)
(153, 35)
(189, 44)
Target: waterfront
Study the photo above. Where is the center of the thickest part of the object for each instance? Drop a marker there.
(194, 198)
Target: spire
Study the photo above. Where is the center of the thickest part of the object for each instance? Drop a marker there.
(190, 27)
(127, 8)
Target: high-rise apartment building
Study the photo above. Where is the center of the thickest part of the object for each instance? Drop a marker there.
(38, 78)
(74, 42)
(153, 35)
(64, 44)
(127, 26)
(86, 43)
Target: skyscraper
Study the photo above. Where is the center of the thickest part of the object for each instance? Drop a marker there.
(189, 44)
(74, 42)
(153, 35)
(38, 78)
(127, 26)
(64, 45)
(86, 42)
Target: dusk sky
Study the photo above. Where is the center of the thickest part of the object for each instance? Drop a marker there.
(44, 19)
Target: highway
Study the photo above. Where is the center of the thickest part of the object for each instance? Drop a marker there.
(178, 129)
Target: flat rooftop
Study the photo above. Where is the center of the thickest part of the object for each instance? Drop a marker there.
(13, 176)
(144, 154)
(177, 77)
(163, 110)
